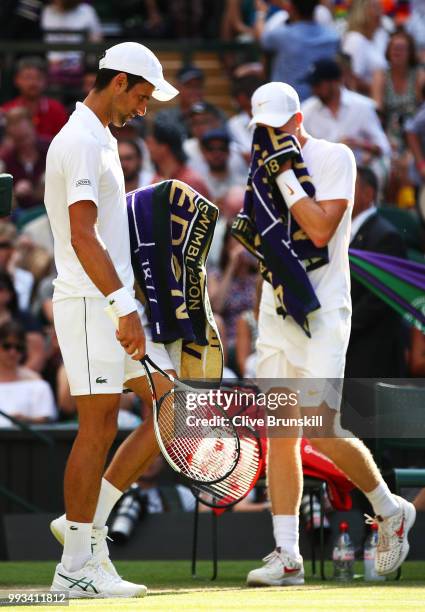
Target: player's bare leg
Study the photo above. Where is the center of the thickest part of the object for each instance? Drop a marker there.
(284, 464)
(97, 416)
(284, 565)
(353, 458)
(139, 449)
(131, 459)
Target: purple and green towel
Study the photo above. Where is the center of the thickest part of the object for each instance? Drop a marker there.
(267, 229)
(398, 282)
(171, 227)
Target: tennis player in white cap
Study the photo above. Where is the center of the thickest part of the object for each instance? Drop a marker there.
(285, 352)
(85, 202)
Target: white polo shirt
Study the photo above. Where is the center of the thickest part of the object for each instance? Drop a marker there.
(333, 170)
(83, 164)
(356, 118)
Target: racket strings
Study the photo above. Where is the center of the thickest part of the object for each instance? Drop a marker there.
(202, 449)
(238, 484)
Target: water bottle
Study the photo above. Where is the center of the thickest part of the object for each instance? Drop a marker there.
(343, 555)
(369, 555)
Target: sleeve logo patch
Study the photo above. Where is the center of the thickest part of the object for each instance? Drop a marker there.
(83, 182)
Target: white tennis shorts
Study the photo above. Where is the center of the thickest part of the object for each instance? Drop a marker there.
(95, 362)
(284, 352)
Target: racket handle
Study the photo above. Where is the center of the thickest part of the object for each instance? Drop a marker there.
(111, 314)
(146, 359)
(115, 320)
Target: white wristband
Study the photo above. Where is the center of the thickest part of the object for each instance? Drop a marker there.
(121, 302)
(290, 188)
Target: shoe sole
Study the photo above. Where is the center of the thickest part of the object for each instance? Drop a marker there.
(76, 595)
(287, 582)
(406, 546)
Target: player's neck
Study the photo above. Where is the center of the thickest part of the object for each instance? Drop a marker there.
(100, 106)
(302, 136)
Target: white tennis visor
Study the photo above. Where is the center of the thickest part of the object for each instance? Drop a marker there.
(137, 59)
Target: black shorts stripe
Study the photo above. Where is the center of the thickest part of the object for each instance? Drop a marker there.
(87, 344)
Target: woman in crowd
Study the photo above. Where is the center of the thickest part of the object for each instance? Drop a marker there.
(397, 93)
(23, 394)
(362, 42)
(9, 311)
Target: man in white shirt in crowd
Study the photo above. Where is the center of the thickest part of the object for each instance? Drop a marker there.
(86, 205)
(340, 115)
(286, 352)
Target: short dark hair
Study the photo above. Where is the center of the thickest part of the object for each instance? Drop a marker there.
(12, 328)
(105, 76)
(246, 85)
(134, 145)
(32, 61)
(368, 177)
(305, 8)
(168, 133)
(15, 330)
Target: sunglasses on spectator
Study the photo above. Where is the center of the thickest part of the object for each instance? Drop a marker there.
(218, 147)
(8, 346)
(5, 245)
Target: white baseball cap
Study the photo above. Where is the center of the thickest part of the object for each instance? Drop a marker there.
(274, 104)
(137, 59)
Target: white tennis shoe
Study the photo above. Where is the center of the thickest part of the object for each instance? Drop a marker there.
(92, 581)
(393, 546)
(99, 545)
(279, 569)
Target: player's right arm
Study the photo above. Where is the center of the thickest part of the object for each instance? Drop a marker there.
(99, 267)
(320, 217)
(82, 169)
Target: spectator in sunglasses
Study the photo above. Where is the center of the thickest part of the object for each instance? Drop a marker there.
(204, 117)
(9, 311)
(221, 175)
(23, 394)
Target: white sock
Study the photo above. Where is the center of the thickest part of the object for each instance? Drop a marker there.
(108, 497)
(286, 533)
(383, 501)
(77, 546)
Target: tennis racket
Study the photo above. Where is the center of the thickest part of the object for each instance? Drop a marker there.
(241, 481)
(204, 448)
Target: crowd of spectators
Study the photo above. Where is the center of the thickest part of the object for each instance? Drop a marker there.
(360, 77)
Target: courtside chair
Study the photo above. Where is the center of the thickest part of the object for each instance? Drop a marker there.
(312, 486)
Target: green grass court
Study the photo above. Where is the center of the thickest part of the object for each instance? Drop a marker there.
(171, 589)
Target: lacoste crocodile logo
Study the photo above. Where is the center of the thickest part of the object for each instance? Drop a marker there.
(100, 380)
